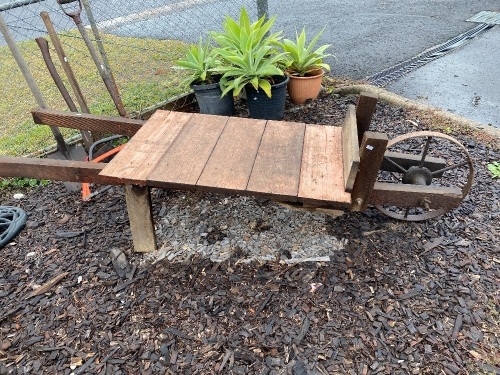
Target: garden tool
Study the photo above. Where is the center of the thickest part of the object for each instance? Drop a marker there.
(44, 48)
(88, 137)
(74, 14)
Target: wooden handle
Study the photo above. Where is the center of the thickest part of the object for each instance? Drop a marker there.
(44, 47)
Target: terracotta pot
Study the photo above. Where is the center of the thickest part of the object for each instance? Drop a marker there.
(304, 89)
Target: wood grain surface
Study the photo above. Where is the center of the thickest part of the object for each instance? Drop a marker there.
(276, 171)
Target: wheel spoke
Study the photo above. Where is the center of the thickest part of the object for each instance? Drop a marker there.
(449, 168)
(426, 150)
(395, 164)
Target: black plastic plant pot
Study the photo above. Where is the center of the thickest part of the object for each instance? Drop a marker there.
(261, 106)
(210, 101)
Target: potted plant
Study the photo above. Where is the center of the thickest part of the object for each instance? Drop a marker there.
(252, 61)
(201, 62)
(305, 66)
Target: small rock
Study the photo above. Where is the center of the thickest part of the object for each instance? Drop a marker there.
(64, 219)
(32, 224)
(164, 350)
(120, 262)
(299, 368)
(274, 362)
(476, 335)
(239, 370)
(5, 345)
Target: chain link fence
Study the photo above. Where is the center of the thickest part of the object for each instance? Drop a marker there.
(141, 41)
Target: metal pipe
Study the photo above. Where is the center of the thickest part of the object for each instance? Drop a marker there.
(107, 81)
(100, 44)
(32, 84)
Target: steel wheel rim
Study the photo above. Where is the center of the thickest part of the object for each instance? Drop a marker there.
(438, 212)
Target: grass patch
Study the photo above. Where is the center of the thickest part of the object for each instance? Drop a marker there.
(28, 137)
(6, 183)
(142, 68)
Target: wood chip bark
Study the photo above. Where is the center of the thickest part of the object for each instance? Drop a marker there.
(48, 285)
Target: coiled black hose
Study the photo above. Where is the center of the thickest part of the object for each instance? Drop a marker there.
(12, 220)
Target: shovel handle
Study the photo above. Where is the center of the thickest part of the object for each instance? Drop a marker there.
(75, 14)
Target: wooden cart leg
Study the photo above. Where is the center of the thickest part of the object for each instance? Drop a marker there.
(371, 152)
(141, 218)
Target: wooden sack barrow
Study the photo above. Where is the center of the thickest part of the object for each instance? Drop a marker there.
(310, 166)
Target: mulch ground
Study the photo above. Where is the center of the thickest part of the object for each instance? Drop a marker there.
(399, 298)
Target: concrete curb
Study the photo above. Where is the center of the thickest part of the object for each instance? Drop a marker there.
(398, 100)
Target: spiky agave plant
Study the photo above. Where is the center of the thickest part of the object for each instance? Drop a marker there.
(200, 61)
(249, 54)
(302, 59)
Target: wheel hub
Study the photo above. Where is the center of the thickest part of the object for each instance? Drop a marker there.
(417, 176)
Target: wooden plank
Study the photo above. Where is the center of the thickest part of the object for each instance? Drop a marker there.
(141, 218)
(228, 168)
(52, 169)
(141, 154)
(372, 152)
(86, 121)
(350, 148)
(276, 171)
(182, 164)
(321, 177)
(402, 195)
(408, 160)
(365, 108)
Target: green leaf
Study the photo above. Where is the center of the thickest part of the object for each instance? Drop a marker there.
(494, 168)
(265, 86)
(255, 83)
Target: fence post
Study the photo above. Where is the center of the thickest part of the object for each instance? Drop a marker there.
(262, 8)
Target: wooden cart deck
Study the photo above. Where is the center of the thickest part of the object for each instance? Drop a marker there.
(285, 161)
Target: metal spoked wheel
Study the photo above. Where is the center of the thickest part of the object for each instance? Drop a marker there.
(425, 158)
